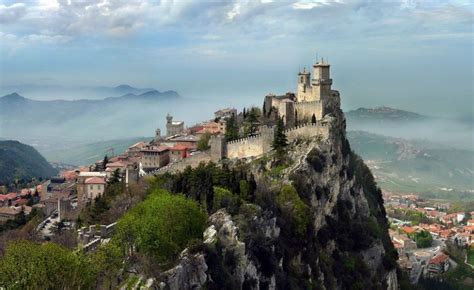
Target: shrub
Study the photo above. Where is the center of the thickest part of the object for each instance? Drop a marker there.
(223, 198)
(27, 265)
(161, 225)
(293, 209)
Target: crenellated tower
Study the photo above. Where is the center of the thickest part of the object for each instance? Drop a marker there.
(321, 81)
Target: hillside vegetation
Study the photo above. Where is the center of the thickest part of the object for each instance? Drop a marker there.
(20, 161)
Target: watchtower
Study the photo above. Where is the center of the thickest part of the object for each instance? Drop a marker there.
(321, 82)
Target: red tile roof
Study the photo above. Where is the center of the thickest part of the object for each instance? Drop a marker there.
(11, 195)
(21, 201)
(94, 180)
(438, 259)
(408, 230)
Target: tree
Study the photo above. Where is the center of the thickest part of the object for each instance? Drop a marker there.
(27, 265)
(264, 110)
(244, 113)
(116, 177)
(231, 129)
(296, 117)
(423, 239)
(280, 142)
(105, 161)
(203, 143)
(161, 226)
(313, 119)
(251, 121)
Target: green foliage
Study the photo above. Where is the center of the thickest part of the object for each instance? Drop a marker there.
(280, 142)
(161, 225)
(203, 143)
(223, 198)
(23, 162)
(26, 265)
(423, 239)
(293, 209)
(231, 129)
(251, 121)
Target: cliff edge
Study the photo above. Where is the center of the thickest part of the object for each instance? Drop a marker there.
(317, 221)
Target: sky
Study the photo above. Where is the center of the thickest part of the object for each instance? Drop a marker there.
(414, 55)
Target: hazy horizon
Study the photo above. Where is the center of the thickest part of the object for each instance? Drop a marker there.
(411, 55)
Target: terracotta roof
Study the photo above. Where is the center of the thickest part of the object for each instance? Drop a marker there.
(179, 147)
(408, 230)
(94, 180)
(438, 259)
(138, 144)
(116, 164)
(11, 195)
(160, 148)
(20, 201)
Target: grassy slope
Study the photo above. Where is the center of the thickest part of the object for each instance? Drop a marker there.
(85, 154)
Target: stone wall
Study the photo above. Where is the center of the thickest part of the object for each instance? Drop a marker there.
(260, 144)
(193, 161)
(307, 109)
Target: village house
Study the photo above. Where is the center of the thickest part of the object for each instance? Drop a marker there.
(178, 152)
(7, 199)
(225, 113)
(89, 185)
(453, 218)
(9, 213)
(438, 265)
(154, 157)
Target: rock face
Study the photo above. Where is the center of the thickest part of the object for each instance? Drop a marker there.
(320, 224)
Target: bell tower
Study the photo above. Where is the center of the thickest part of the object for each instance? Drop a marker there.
(321, 81)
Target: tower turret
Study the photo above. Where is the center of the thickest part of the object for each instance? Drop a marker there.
(303, 92)
(321, 81)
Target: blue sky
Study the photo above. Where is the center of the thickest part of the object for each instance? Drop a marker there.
(414, 55)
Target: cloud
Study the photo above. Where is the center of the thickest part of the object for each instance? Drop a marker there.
(308, 5)
(12, 13)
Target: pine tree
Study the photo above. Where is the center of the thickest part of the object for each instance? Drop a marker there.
(280, 142)
(313, 119)
(104, 162)
(296, 117)
(245, 113)
(264, 110)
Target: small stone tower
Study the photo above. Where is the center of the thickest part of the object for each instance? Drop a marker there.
(321, 81)
(303, 92)
(157, 134)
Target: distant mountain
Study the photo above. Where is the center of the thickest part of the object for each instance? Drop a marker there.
(415, 165)
(21, 161)
(85, 154)
(397, 123)
(108, 118)
(383, 114)
(49, 92)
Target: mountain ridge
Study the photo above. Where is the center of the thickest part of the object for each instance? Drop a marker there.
(21, 161)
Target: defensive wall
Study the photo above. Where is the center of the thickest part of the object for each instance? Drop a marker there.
(180, 165)
(247, 147)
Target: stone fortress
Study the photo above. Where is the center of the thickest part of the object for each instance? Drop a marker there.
(314, 101)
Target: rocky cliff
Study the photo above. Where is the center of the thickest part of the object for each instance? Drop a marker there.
(316, 222)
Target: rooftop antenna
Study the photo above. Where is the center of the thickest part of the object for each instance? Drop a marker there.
(317, 56)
